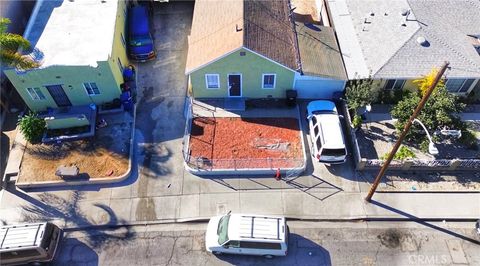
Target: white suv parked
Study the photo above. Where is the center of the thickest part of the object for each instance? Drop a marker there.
(247, 234)
(328, 142)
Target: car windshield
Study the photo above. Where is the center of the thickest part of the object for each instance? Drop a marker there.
(316, 112)
(222, 230)
(333, 152)
(140, 40)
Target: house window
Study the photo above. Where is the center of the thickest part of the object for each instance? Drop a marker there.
(91, 88)
(459, 85)
(36, 94)
(120, 65)
(212, 81)
(268, 81)
(395, 84)
(123, 40)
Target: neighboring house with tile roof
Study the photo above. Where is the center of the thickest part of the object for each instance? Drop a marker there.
(401, 40)
(81, 49)
(249, 49)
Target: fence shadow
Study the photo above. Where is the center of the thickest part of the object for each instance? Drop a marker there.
(310, 184)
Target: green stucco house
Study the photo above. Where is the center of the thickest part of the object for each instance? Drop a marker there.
(250, 49)
(81, 48)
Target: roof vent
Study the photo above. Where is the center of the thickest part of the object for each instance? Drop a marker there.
(422, 41)
(405, 12)
(372, 14)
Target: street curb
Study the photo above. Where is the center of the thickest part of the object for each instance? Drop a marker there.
(97, 180)
(204, 220)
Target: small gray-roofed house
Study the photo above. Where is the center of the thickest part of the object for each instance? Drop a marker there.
(402, 40)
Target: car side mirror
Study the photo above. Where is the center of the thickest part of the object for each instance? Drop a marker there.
(309, 116)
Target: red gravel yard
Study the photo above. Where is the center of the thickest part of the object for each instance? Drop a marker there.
(233, 142)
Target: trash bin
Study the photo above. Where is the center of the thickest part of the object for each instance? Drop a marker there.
(291, 97)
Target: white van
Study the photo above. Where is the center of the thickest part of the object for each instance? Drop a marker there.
(27, 243)
(247, 234)
(326, 134)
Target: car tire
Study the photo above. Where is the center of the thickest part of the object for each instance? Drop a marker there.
(268, 256)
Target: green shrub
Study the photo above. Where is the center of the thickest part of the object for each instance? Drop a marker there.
(32, 127)
(357, 121)
(424, 145)
(440, 111)
(402, 154)
(469, 140)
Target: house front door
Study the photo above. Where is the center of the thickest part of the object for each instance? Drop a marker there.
(59, 95)
(234, 85)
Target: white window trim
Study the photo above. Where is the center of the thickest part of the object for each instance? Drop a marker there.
(218, 81)
(38, 98)
(86, 91)
(274, 81)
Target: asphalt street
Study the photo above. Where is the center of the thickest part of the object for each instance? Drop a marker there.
(361, 243)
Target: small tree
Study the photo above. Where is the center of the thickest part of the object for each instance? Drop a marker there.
(440, 110)
(9, 45)
(360, 93)
(32, 127)
(424, 82)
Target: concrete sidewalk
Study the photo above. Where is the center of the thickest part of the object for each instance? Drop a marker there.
(69, 209)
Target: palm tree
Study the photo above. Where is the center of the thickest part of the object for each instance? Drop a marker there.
(9, 45)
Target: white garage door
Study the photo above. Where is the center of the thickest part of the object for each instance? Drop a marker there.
(316, 88)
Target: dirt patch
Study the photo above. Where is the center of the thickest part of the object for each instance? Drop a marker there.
(106, 155)
(93, 158)
(250, 142)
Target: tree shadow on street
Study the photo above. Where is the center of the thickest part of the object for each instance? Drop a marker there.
(50, 207)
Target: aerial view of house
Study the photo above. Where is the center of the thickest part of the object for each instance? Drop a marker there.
(80, 49)
(241, 132)
(399, 41)
(253, 49)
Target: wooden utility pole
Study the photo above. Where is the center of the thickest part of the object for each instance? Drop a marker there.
(405, 131)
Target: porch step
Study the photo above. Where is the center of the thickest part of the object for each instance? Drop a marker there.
(234, 104)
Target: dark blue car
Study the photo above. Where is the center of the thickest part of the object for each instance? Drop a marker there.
(140, 42)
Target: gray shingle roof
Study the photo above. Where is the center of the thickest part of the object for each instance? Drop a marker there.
(389, 50)
(445, 25)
